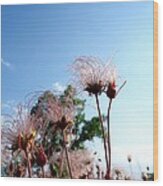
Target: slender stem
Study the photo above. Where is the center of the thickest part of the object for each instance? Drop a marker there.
(121, 87)
(61, 164)
(67, 156)
(28, 165)
(103, 130)
(131, 172)
(109, 138)
(11, 169)
(43, 172)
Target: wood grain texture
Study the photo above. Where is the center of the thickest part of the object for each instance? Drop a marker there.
(155, 91)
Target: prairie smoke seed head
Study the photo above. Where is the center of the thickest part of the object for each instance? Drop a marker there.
(61, 114)
(88, 74)
(18, 132)
(95, 88)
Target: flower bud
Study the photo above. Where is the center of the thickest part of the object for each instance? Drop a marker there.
(111, 91)
(41, 157)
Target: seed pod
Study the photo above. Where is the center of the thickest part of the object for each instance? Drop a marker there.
(111, 91)
(41, 157)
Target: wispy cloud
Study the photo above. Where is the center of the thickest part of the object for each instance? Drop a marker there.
(5, 63)
(58, 87)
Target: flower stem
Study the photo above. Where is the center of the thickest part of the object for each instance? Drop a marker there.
(43, 172)
(109, 139)
(61, 164)
(28, 165)
(131, 172)
(103, 130)
(121, 87)
(67, 156)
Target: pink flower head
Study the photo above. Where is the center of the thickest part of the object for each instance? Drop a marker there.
(18, 132)
(61, 114)
(111, 80)
(88, 74)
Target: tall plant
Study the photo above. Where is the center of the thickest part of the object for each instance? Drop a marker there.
(95, 77)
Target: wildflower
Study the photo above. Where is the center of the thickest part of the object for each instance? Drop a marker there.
(111, 80)
(41, 157)
(19, 132)
(60, 114)
(91, 76)
(95, 77)
(88, 71)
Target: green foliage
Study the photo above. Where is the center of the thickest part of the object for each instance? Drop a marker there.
(54, 170)
(89, 130)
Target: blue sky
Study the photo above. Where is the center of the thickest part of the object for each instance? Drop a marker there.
(39, 42)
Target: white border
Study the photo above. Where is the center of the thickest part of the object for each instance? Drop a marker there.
(57, 182)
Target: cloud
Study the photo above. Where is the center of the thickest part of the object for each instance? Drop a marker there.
(58, 87)
(5, 63)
